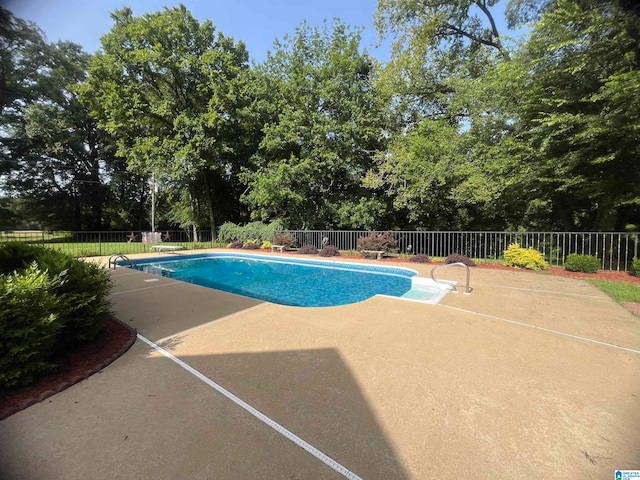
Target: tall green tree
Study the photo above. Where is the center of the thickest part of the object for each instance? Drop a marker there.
(578, 126)
(442, 50)
(323, 124)
(52, 152)
(170, 89)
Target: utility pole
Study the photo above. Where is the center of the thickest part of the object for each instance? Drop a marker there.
(153, 202)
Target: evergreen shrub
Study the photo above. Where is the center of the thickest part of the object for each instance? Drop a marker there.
(529, 258)
(29, 324)
(582, 263)
(635, 267)
(74, 297)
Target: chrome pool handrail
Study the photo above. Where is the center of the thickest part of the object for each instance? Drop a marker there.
(113, 258)
(450, 283)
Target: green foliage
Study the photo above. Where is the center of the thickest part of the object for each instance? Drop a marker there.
(529, 258)
(329, 251)
(458, 258)
(385, 242)
(635, 266)
(258, 231)
(285, 239)
(322, 124)
(29, 324)
(419, 258)
(171, 92)
(582, 263)
(80, 290)
(619, 291)
(308, 250)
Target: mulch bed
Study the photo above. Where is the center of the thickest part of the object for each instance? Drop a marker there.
(114, 341)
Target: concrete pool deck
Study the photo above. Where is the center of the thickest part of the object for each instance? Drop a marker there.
(386, 388)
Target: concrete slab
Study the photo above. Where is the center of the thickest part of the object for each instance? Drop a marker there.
(143, 418)
(388, 388)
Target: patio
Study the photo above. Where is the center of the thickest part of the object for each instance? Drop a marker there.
(531, 376)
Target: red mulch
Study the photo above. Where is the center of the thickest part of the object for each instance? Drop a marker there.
(115, 340)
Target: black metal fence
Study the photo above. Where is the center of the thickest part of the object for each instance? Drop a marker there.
(615, 250)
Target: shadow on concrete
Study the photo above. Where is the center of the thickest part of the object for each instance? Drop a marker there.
(160, 307)
(313, 394)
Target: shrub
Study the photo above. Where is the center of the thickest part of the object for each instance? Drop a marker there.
(329, 251)
(378, 242)
(251, 231)
(28, 324)
(266, 245)
(308, 250)
(458, 258)
(236, 244)
(251, 245)
(419, 258)
(635, 266)
(582, 263)
(83, 290)
(529, 258)
(283, 238)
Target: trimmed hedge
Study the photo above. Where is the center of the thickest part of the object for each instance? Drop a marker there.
(582, 263)
(329, 251)
(74, 297)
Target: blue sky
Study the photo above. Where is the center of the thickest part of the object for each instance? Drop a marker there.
(257, 22)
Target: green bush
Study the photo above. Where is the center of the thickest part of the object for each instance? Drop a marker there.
(635, 266)
(257, 231)
(385, 242)
(80, 288)
(582, 263)
(28, 324)
(529, 258)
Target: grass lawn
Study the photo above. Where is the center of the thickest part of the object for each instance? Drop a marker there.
(619, 291)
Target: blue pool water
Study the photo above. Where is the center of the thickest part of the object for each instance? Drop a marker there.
(305, 283)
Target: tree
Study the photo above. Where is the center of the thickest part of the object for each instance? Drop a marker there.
(578, 127)
(169, 90)
(53, 153)
(442, 52)
(323, 124)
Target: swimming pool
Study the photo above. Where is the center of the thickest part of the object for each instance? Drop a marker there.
(287, 281)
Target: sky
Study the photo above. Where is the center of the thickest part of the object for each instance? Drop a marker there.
(256, 22)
